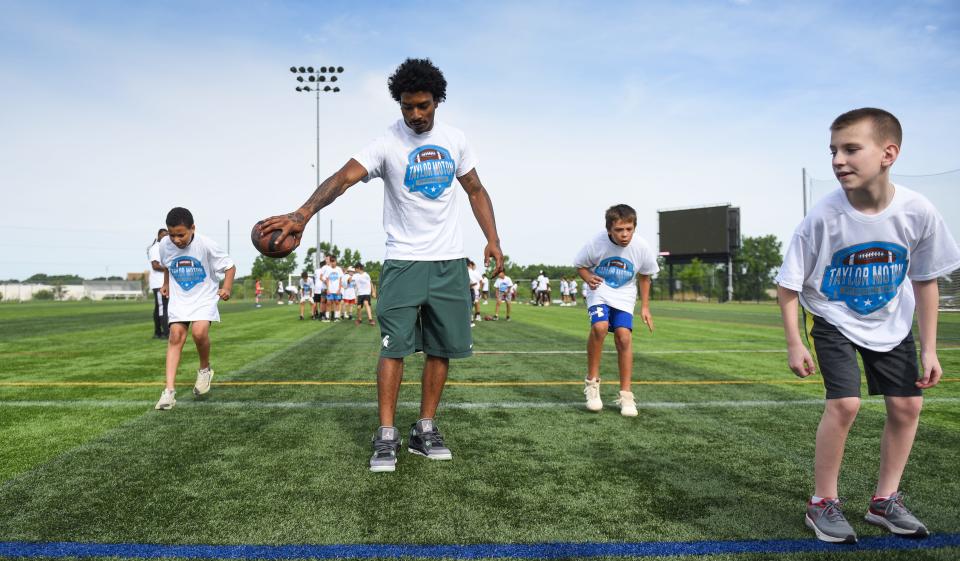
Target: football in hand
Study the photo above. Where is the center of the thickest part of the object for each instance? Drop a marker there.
(266, 242)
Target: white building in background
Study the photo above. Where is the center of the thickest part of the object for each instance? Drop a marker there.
(93, 290)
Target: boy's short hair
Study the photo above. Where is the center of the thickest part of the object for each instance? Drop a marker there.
(886, 127)
(303, 275)
(179, 216)
(358, 265)
(418, 75)
(620, 212)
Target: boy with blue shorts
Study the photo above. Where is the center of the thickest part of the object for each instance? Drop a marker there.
(610, 264)
(847, 264)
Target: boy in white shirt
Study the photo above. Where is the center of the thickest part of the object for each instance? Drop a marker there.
(193, 261)
(365, 289)
(476, 281)
(504, 287)
(846, 264)
(334, 282)
(610, 264)
(306, 294)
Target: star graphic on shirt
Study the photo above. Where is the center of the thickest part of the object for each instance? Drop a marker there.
(867, 302)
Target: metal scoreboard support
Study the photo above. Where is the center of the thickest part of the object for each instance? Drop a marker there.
(710, 234)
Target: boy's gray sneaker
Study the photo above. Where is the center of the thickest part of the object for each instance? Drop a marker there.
(827, 521)
(426, 440)
(386, 442)
(890, 513)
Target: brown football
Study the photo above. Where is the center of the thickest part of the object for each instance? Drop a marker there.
(266, 242)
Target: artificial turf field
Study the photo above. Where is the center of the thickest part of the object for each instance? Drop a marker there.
(274, 462)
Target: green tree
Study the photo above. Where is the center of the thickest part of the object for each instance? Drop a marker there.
(274, 268)
(754, 267)
(693, 276)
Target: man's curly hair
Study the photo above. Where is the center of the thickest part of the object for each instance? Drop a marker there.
(418, 75)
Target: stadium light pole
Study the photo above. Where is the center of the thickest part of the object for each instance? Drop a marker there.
(317, 80)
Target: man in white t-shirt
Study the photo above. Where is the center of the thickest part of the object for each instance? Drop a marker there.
(610, 264)
(847, 264)
(504, 287)
(365, 290)
(161, 329)
(424, 299)
(476, 281)
(543, 289)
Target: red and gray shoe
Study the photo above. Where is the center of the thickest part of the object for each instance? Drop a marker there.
(890, 513)
(827, 521)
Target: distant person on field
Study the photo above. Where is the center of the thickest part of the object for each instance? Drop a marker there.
(572, 290)
(504, 291)
(161, 329)
(365, 289)
(280, 291)
(306, 294)
(484, 287)
(476, 282)
(334, 290)
(192, 262)
(610, 264)
(258, 291)
(349, 293)
(847, 264)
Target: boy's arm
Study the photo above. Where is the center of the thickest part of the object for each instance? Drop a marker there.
(798, 356)
(592, 280)
(645, 301)
(227, 288)
(928, 296)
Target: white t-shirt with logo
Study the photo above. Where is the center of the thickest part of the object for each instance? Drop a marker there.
(349, 288)
(364, 283)
(193, 280)
(849, 268)
(421, 216)
(476, 279)
(503, 285)
(153, 254)
(619, 267)
(542, 282)
(564, 287)
(334, 279)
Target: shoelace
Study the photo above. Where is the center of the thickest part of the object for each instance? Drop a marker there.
(895, 504)
(591, 392)
(385, 447)
(621, 400)
(433, 438)
(832, 512)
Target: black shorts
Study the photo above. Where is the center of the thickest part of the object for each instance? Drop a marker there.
(316, 298)
(363, 298)
(892, 373)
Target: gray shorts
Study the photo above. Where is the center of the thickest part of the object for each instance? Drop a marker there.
(892, 373)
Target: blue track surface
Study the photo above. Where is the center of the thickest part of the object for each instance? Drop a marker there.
(477, 551)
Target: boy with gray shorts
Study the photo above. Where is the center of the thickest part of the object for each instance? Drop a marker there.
(847, 263)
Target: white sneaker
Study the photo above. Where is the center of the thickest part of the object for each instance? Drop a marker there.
(167, 400)
(204, 375)
(591, 389)
(628, 407)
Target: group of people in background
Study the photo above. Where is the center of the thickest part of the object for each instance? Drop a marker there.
(332, 293)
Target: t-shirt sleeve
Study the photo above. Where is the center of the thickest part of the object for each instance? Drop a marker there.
(468, 159)
(154, 254)
(936, 253)
(648, 262)
(219, 258)
(585, 257)
(163, 255)
(793, 271)
(371, 157)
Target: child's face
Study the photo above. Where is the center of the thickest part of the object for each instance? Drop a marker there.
(858, 158)
(181, 236)
(621, 232)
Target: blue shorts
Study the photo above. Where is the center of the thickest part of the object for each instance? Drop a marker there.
(334, 297)
(617, 318)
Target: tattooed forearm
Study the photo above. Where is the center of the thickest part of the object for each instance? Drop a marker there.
(326, 193)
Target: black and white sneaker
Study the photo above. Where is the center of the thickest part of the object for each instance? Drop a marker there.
(427, 441)
(386, 442)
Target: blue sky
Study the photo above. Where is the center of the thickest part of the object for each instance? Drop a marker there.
(113, 112)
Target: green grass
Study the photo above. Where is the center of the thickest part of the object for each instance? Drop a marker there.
(271, 464)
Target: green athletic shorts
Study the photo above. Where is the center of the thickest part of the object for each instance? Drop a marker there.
(424, 306)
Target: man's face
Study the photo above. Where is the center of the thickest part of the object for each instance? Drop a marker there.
(163, 234)
(181, 236)
(621, 232)
(418, 110)
(858, 158)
